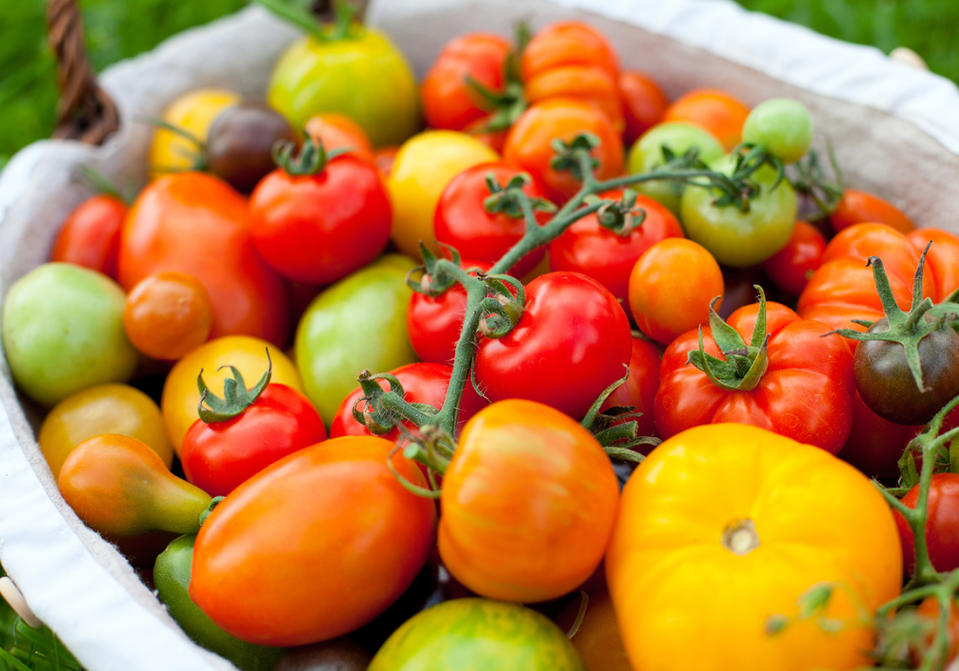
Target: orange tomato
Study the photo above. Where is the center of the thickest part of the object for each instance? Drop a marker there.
(567, 43)
(857, 207)
(942, 258)
(597, 640)
(716, 111)
(167, 315)
(338, 131)
(644, 103)
(929, 611)
(723, 527)
(583, 82)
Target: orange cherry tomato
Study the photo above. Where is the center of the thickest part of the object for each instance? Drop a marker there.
(528, 144)
(90, 236)
(644, 103)
(528, 502)
(671, 286)
(167, 315)
(929, 611)
(567, 43)
(716, 111)
(583, 82)
(942, 258)
(338, 131)
(857, 207)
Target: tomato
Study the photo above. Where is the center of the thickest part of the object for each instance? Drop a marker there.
(567, 43)
(448, 100)
(716, 111)
(859, 206)
(62, 332)
(929, 611)
(941, 522)
(782, 126)
(90, 236)
(644, 103)
(384, 159)
(338, 131)
(588, 83)
(875, 444)
(422, 382)
(193, 112)
(608, 257)
(196, 224)
(942, 258)
(338, 654)
(104, 408)
(319, 227)
(639, 391)
(487, 635)
(119, 486)
(362, 75)
(791, 267)
(336, 505)
(738, 238)
(572, 341)
(424, 165)
(691, 554)
(597, 640)
(358, 323)
(671, 286)
(180, 394)
(463, 222)
(529, 143)
(167, 315)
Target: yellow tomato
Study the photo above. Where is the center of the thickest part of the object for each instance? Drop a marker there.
(105, 408)
(597, 640)
(248, 354)
(424, 165)
(194, 112)
(723, 527)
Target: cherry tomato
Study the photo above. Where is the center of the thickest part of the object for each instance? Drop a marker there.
(193, 112)
(857, 207)
(639, 390)
(941, 524)
(644, 103)
(782, 126)
(167, 315)
(716, 111)
(671, 286)
(588, 83)
(608, 257)
(567, 43)
(463, 222)
(791, 267)
(929, 611)
(90, 236)
(942, 258)
(338, 131)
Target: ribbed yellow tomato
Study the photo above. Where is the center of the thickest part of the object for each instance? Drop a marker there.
(726, 525)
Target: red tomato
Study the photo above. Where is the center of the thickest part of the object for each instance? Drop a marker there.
(942, 258)
(639, 391)
(875, 444)
(217, 457)
(434, 323)
(791, 267)
(315, 545)
(422, 383)
(448, 101)
(338, 131)
(567, 43)
(941, 524)
(462, 221)
(319, 228)
(857, 207)
(716, 111)
(572, 342)
(806, 392)
(90, 236)
(586, 247)
(197, 224)
(644, 103)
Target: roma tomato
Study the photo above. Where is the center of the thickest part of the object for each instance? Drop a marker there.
(528, 502)
(572, 342)
(644, 103)
(639, 391)
(90, 236)
(716, 111)
(857, 207)
(193, 112)
(463, 222)
(197, 224)
(942, 258)
(487, 634)
(338, 131)
(336, 505)
(791, 267)
(692, 554)
(167, 315)
(606, 256)
(941, 523)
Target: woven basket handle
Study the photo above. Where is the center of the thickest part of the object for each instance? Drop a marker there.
(85, 112)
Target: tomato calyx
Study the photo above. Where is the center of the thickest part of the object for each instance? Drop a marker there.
(622, 217)
(508, 105)
(505, 199)
(618, 438)
(810, 180)
(214, 502)
(743, 365)
(384, 410)
(236, 397)
(311, 159)
(748, 159)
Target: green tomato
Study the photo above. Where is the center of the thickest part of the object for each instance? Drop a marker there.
(362, 75)
(171, 577)
(782, 126)
(647, 154)
(63, 331)
(358, 323)
(734, 237)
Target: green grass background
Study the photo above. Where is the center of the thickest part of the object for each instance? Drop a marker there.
(117, 29)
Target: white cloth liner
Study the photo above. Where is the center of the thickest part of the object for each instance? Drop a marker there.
(891, 124)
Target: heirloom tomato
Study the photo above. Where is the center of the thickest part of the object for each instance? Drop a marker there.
(791, 267)
(193, 112)
(942, 258)
(606, 256)
(334, 505)
(528, 502)
(167, 315)
(782, 126)
(572, 342)
(695, 559)
(90, 236)
(197, 224)
(477, 635)
(857, 207)
(644, 103)
(941, 523)
(716, 111)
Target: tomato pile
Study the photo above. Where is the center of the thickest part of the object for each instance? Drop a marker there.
(576, 377)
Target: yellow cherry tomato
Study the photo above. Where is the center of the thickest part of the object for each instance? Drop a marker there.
(723, 530)
(424, 165)
(194, 112)
(104, 408)
(248, 354)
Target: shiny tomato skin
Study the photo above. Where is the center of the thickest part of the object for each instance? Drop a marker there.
(197, 224)
(942, 258)
(717, 111)
(586, 247)
(572, 341)
(462, 221)
(217, 457)
(589, 83)
(857, 207)
(319, 228)
(567, 43)
(644, 103)
(941, 524)
(639, 391)
(791, 267)
(167, 315)
(335, 505)
(90, 236)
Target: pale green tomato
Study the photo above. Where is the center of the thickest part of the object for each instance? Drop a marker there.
(782, 126)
